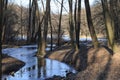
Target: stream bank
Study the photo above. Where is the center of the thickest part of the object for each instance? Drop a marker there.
(92, 64)
(10, 64)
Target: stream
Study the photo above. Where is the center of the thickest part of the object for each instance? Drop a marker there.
(35, 68)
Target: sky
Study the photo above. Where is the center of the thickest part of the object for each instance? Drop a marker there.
(55, 7)
(25, 2)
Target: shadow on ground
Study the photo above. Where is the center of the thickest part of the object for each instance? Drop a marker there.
(92, 64)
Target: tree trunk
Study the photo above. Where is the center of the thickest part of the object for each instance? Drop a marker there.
(108, 23)
(51, 41)
(90, 24)
(50, 22)
(71, 23)
(42, 44)
(115, 17)
(1, 27)
(4, 23)
(59, 27)
(21, 21)
(40, 40)
(75, 22)
(116, 25)
(78, 24)
(34, 6)
(29, 24)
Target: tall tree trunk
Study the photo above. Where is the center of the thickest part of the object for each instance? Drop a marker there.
(59, 26)
(51, 41)
(78, 24)
(21, 21)
(75, 22)
(71, 23)
(51, 30)
(46, 18)
(108, 23)
(41, 51)
(39, 34)
(90, 24)
(114, 16)
(29, 24)
(114, 12)
(34, 6)
(1, 27)
(4, 22)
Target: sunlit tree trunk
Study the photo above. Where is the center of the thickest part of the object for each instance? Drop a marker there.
(112, 24)
(90, 24)
(108, 23)
(59, 26)
(40, 36)
(46, 18)
(71, 23)
(114, 10)
(40, 33)
(41, 51)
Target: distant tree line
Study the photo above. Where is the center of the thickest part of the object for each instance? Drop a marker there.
(36, 23)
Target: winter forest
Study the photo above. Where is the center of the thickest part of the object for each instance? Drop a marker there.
(59, 40)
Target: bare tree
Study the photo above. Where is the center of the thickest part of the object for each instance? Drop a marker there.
(21, 14)
(114, 10)
(59, 26)
(51, 30)
(41, 51)
(110, 23)
(1, 27)
(4, 21)
(33, 28)
(29, 24)
(71, 23)
(77, 22)
(90, 24)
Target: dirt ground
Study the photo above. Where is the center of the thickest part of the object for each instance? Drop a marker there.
(92, 64)
(10, 65)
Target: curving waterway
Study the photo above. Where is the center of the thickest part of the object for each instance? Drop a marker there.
(35, 68)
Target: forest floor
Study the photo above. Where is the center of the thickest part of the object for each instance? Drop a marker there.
(91, 64)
